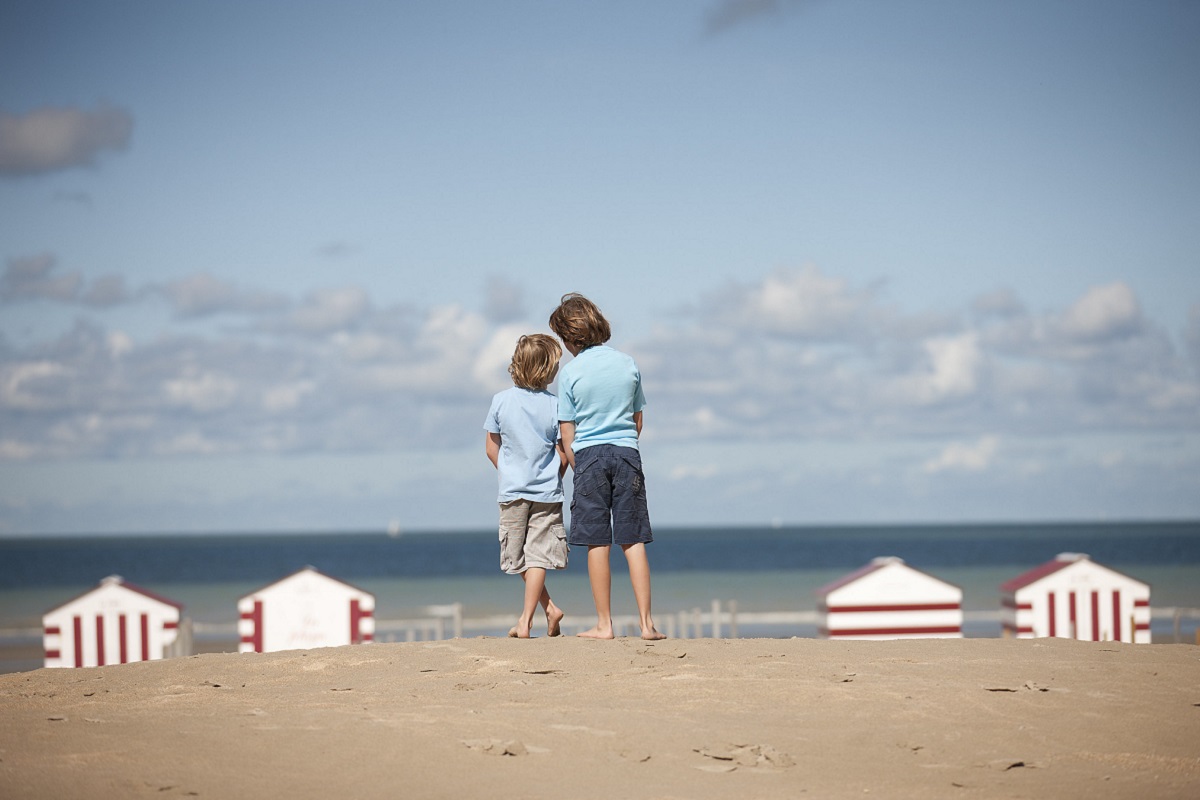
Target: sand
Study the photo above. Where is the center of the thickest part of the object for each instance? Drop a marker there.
(570, 718)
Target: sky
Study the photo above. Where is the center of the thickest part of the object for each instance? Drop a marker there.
(264, 264)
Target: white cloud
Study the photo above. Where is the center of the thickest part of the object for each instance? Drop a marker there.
(51, 139)
(119, 344)
(286, 397)
(1172, 395)
(33, 385)
(952, 372)
(452, 325)
(685, 472)
(106, 291)
(190, 443)
(1105, 320)
(11, 450)
(202, 392)
(203, 294)
(999, 303)
(1191, 338)
(804, 303)
(367, 346)
(36, 277)
(336, 373)
(705, 420)
(30, 278)
(442, 359)
(1104, 312)
(964, 456)
(329, 310)
(861, 368)
(490, 369)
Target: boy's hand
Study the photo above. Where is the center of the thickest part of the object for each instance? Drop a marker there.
(562, 459)
(566, 431)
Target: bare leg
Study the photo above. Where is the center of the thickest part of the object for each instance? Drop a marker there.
(554, 615)
(535, 587)
(600, 576)
(639, 577)
(524, 627)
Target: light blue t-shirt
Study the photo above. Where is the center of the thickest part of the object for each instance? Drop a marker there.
(527, 421)
(600, 390)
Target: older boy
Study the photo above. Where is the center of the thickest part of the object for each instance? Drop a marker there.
(522, 443)
(600, 419)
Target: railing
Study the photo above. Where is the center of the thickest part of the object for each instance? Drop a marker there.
(718, 621)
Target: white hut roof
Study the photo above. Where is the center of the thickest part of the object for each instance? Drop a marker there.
(117, 580)
(1058, 563)
(303, 570)
(875, 565)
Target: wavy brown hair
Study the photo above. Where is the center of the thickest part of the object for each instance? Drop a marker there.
(535, 361)
(579, 323)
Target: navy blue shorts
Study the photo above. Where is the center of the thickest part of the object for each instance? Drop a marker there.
(609, 502)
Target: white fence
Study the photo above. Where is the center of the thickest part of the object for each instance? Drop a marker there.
(720, 620)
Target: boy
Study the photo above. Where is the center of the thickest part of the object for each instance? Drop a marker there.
(600, 419)
(522, 443)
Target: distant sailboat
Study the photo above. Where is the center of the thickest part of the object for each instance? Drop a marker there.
(393, 529)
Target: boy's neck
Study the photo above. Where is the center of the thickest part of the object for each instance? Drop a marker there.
(575, 351)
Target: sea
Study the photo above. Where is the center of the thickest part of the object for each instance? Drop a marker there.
(756, 569)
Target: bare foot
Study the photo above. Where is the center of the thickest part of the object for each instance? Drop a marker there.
(512, 632)
(554, 616)
(515, 632)
(596, 633)
(653, 635)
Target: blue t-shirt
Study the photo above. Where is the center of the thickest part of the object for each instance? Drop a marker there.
(600, 390)
(527, 421)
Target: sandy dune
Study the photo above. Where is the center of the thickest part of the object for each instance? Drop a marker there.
(568, 718)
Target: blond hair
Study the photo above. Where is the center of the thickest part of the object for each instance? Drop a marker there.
(579, 323)
(535, 361)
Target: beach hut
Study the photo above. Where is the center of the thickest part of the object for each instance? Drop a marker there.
(888, 599)
(1076, 598)
(114, 623)
(305, 609)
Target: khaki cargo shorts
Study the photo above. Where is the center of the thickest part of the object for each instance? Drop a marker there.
(532, 535)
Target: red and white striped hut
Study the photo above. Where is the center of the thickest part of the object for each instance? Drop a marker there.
(114, 623)
(305, 609)
(888, 599)
(1076, 598)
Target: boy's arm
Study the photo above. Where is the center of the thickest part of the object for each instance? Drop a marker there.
(566, 431)
(491, 446)
(562, 458)
(637, 423)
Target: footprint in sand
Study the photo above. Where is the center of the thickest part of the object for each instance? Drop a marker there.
(751, 756)
(583, 729)
(496, 747)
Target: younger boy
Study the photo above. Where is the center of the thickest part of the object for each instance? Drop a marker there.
(600, 419)
(522, 443)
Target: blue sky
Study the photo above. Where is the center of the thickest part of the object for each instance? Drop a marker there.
(264, 263)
